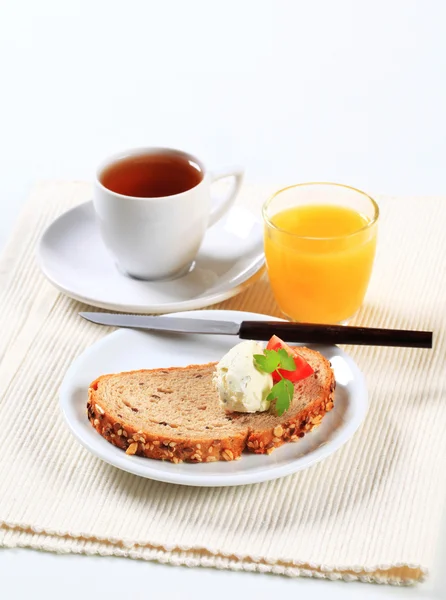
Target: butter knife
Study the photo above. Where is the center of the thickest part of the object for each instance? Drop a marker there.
(262, 330)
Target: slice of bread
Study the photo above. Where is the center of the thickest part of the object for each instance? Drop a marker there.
(175, 413)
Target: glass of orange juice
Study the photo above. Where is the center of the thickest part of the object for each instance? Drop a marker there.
(320, 241)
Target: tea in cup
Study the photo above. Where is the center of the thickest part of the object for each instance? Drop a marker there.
(154, 206)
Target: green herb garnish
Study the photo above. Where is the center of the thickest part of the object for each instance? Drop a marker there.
(270, 362)
(286, 361)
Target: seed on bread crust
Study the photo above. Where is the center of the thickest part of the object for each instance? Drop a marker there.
(227, 454)
(278, 431)
(132, 448)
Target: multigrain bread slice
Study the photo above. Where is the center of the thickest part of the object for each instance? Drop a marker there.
(171, 414)
(175, 413)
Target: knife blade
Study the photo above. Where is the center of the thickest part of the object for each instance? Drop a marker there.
(173, 324)
(263, 330)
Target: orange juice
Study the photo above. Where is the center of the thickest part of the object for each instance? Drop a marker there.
(319, 260)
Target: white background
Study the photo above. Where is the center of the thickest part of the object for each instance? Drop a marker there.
(348, 91)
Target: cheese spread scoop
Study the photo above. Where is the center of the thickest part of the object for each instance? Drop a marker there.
(241, 386)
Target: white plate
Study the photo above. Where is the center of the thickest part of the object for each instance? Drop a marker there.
(73, 257)
(126, 350)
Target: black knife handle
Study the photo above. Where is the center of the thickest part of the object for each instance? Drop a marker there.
(309, 333)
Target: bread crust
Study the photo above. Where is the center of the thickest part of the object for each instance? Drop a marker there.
(293, 429)
(196, 449)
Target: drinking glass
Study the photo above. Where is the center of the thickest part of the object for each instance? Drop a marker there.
(320, 241)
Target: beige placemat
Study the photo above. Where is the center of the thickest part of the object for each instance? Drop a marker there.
(370, 512)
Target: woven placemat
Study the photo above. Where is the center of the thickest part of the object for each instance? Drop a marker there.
(370, 512)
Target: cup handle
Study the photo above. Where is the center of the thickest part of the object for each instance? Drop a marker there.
(225, 204)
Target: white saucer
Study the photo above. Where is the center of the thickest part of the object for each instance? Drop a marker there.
(126, 350)
(73, 257)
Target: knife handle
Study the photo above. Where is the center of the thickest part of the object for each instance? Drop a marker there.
(334, 334)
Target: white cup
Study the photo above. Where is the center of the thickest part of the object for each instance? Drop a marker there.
(158, 238)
